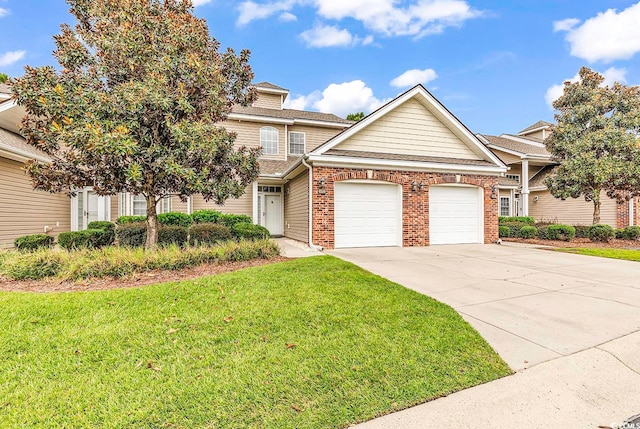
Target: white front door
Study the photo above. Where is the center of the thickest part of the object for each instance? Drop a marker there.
(455, 215)
(272, 214)
(89, 207)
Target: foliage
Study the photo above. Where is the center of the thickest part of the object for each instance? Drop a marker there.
(595, 141)
(601, 233)
(246, 349)
(582, 231)
(208, 233)
(249, 231)
(504, 231)
(205, 216)
(560, 232)
(175, 219)
(514, 227)
(33, 242)
(135, 106)
(3, 77)
(130, 219)
(88, 238)
(122, 261)
(524, 219)
(172, 235)
(542, 232)
(230, 220)
(101, 224)
(528, 231)
(628, 233)
(132, 234)
(623, 254)
(355, 116)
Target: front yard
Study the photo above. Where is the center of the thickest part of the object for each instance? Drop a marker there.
(315, 342)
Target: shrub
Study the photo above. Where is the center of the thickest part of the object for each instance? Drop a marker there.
(108, 229)
(249, 231)
(528, 231)
(33, 242)
(542, 232)
(131, 234)
(582, 231)
(175, 219)
(524, 219)
(88, 238)
(101, 224)
(208, 233)
(628, 233)
(205, 216)
(601, 232)
(171, 234)
(503, 231)
(560, 232)
(122, 220)
(230, 220)
(514, 227)
(34, 265)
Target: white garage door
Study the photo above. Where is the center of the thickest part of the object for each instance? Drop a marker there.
(367, 215)
(455, 215)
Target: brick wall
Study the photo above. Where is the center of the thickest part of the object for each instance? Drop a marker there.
(415, 205)
(622, 214)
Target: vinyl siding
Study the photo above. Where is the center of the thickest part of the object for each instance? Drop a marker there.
(249, 135)
(507, 158)
(25, 211)
(177, 205)
(572, 211)
(314, 136)
(242, 205)
(296, 209)
(269, 101)
(409, 129)
(538, 134)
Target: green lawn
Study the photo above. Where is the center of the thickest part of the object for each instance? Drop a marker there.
(626, 254)
(313, 342)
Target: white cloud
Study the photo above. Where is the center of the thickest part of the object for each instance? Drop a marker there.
(611, 75)
(3, 12)
(287, 17)
(413, 77)
(11, 57)
(565, 24)
(197, 3)
(607, 37)
(251, 11)
(322, 36)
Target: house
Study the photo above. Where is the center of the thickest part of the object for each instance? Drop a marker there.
(409, 174)
(523, 192)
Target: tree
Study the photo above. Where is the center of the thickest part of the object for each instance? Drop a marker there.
(355, 116)
(135, 105)
(595, 141)
(3, 78)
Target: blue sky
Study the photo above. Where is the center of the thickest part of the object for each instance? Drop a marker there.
(495, 64)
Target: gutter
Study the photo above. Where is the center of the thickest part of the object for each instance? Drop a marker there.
(304, 162)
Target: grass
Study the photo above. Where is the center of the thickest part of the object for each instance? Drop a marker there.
(307, 343)
(624, 254)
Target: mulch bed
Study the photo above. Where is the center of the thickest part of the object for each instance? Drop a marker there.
(136, 280)
(579, 242)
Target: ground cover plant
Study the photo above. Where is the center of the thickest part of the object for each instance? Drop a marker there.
(314, 342)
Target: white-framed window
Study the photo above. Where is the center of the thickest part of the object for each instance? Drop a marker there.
(297, 143)
(139, 205)
(165, 205)
(505, 206)
(515, 177)
(269, 140)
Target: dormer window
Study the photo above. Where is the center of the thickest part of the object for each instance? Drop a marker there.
(269, 140)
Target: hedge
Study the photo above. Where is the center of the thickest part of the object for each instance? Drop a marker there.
(524, 219)
(528, 231)
(132, 234)
(582, 231)
(560, 232)
(122, 220)
(629, 233)
(208, 233)
(175, 219)
(503, 231)
(601, 233)
(249, 231)
(88, 238)
(172, 234)
(33, 242)
(514, 227)
(205, 216)
(231, 219)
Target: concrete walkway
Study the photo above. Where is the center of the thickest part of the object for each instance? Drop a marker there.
(295, 249)
(569, 324)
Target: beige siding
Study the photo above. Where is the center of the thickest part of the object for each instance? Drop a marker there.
(538, 134)
(410, 129)
(249, 135)
(25, 211)
(115, 207)
(507, 158)
(296, 209)
(242, 205)
(314, 136)
(177, 205)
(572, 211)
(269, 101)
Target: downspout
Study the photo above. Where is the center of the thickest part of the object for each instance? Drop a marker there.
(313, 246)
(631, 210)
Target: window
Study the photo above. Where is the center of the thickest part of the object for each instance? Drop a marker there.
(165, 205)
(271, 189)
(515, 177)
(296, 143)
(505, 206)
(139, 205)
(269, 140)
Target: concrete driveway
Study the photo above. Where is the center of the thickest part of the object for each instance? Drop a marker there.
(569, 324)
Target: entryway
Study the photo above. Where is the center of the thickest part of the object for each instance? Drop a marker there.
(270, 209)
(87, 207)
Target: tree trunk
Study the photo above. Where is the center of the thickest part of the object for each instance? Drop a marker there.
(152, 224)
(596, 209)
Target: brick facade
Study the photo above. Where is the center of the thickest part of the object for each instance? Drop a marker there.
(622, 213)
(415, 204)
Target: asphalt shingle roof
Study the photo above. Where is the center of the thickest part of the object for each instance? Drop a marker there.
(5, 89)
(538, 179)
(290, 114)
(268, 85)
(517, 146)
(276, 167)
(505, 181)
(15, 141)
(400, 157)
(538, 124)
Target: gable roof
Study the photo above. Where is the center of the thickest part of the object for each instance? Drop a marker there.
(537, 181)
(539, 124)
(287, 114)
(15, 147)
(434, 106)
(268, 85)
(517, 144)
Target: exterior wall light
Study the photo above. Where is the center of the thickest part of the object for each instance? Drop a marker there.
(414, 186)
(321, 186)
(494, 192)
(422, 186)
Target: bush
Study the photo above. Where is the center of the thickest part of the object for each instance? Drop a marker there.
(101, 224)
(560, 232)
(249, 231)
(34, 265)
(205, 216)
(88, 238)
(171, 234)
(514, 227)
(230, 220)
(542, 232)
(582, 231)
(628, 233)
(33, 242)
(122, 220)
(524, 219)
(208, 233)
(601, 233)
(109, 231)
(175, 219)
(528, 231)
(131, 234)
(503, 231)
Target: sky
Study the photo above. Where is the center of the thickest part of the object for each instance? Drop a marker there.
(496, 65)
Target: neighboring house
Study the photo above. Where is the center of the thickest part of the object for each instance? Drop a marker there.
(409, 174)
(523, 192)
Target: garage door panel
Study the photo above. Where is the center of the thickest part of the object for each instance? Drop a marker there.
(455, 215)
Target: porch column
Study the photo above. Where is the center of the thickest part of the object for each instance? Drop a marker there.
(525, 187)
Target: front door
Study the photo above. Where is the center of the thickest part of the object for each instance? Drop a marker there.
(89, 207)
(272, 214)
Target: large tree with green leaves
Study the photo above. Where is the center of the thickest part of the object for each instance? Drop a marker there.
(3, 77)
(136, 105)
(595, 141)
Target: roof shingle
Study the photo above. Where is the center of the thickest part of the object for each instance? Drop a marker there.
(274, 167)
(15, 141)
(400, 157)
(290, 114)
(268, 85)
(517, 146)
(538, 124)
